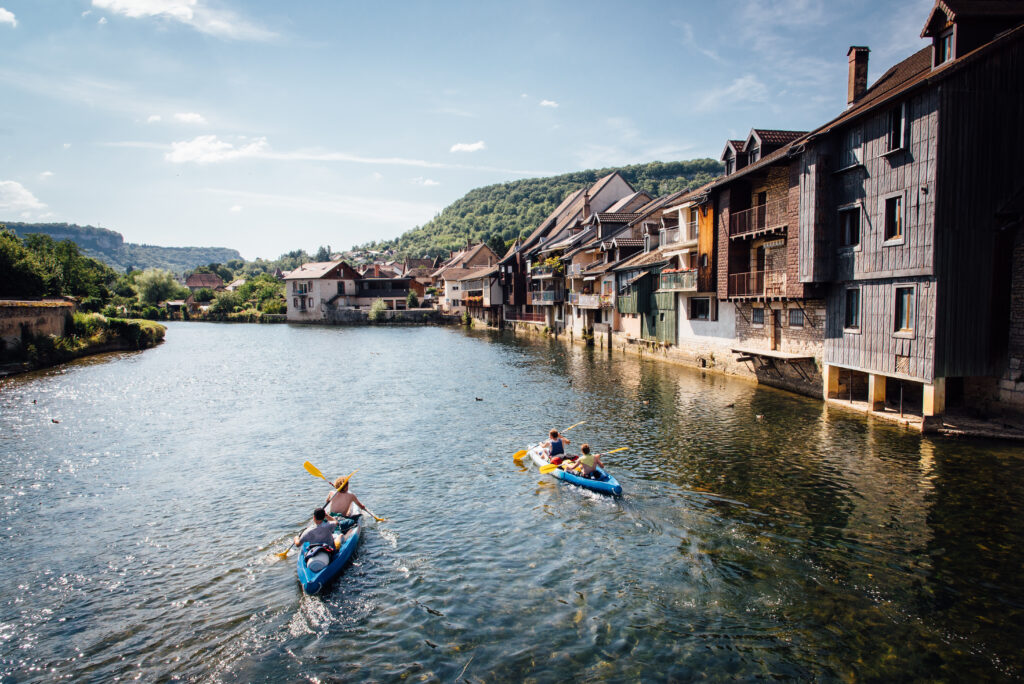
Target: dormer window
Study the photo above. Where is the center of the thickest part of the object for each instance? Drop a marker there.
(647, 243)
(754, 155)
(730, 165)
(943, 47)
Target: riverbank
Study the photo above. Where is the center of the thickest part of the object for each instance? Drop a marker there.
(84, 334)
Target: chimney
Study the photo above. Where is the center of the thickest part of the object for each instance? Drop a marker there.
(586, 204)
(858, 82)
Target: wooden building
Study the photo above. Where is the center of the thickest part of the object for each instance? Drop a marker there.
(900, 214)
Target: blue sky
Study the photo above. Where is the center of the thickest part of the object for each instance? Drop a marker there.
(271, 126)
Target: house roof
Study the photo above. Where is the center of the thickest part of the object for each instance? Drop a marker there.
(735, 145)
(642, 259)
(312, 270)
(961, 9)
(211, 280)
(630, 202)
(473, 274)
(769, 136)
(654, 205)
(617, 217)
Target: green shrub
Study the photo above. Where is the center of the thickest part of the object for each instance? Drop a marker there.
(274, 306)
(411, 300)
(377, 309)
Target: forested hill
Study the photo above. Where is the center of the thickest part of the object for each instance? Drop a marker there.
(508, 210)
(109, 247)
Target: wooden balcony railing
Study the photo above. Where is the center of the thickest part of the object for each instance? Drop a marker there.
(679, 280)
(761, 217)
(590, 301)
(545, 271)
(758, 284)
(526, 317)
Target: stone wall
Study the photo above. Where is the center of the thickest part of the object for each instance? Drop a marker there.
(1011, 385)
(36, 317)
(402, 317)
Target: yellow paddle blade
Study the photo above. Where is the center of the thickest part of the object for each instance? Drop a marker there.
(519, 455)
(572, 426)
(614, 450)
(312, 470)
(548, 467)
(283, 554)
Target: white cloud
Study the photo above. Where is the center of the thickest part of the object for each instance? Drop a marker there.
(16, 197)
(420, 180)
(7, 17)
(208, 149)
(190, 118)
(469, 147)
(153, 118)
(549, 103)
(524, 96)
(220, 23)
(46, 174)
(67, 146)
(688, 39)
(744, 89)
(377, 175)
(235, 209)
(102, 21)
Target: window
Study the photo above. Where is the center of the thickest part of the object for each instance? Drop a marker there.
(730, 165)
(754, 155)
(849, 227)
(796, 318)
(851, 151)
(757, 316)
(904, 310)
(852, 317)
(700, 308)
(647, 243)
(944, 48)
(896, 136)
(894, 218)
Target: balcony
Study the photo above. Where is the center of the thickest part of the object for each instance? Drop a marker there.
(762, 218)
(590, 301)
(545, 271)
(546, 298)
(473, 300)
(574, 297)
(670, 236)
(684, 281)
(575, 270)
(758, 284)
(692, 231)
(526, 317)
(607, 301)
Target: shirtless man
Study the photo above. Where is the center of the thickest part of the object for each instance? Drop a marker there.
(340, 499)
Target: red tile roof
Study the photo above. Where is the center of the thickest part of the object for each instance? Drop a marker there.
(776, 137)
(210, 280)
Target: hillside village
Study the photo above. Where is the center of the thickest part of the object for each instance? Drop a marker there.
(875, 260)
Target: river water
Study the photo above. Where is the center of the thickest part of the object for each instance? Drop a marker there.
(144, 495)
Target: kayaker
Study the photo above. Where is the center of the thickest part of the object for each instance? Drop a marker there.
(321, 533)
(341, 499)
(587, 464)
(556, 445)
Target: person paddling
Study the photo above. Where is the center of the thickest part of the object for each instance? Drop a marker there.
(556, 444)
(587, 464)
(340, 499)
(321, 533)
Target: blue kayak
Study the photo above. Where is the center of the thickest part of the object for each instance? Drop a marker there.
(346, 544)
(605, 484)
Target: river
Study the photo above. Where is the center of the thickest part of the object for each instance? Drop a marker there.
(761, 534)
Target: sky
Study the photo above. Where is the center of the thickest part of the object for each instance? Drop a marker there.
(269, 126)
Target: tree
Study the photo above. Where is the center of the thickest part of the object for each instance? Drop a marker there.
(203, 294)
(226, 302)
(411, 300)
(323, 254)
(155, 285)
(377, 309)
(20, 273)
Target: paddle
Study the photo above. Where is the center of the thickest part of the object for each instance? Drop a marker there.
(316, 473)
(551, 467)
(522, 452)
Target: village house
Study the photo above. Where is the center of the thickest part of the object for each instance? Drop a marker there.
(312, 289)
(532, 278)
(481, 294)
(198, 281)
(457, 266)
(911, 216)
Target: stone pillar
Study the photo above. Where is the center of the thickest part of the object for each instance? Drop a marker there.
(876, 391)
(934, 403)
(830, 377)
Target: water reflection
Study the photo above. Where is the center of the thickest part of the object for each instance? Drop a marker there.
(807, 543)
